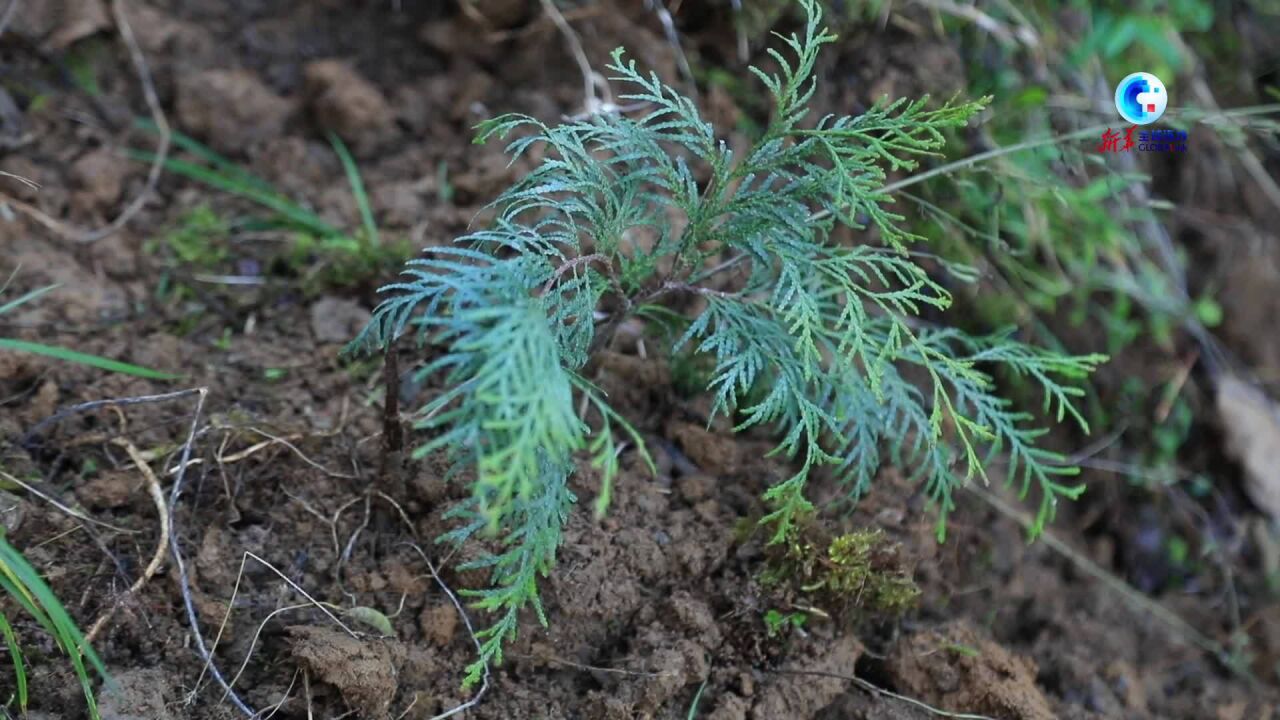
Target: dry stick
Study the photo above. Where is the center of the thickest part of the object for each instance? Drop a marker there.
(253, 642)
(25, 181)
(466, 620)
(108, 402)
(591, 668)
(157, 558)
(673, 39)
(284, 698)
(1127, 593)
(877, 690)
(591, 80)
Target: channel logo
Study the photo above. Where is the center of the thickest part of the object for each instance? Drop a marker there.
(1141, 98)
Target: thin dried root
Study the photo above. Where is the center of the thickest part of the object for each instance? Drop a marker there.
(157, 558)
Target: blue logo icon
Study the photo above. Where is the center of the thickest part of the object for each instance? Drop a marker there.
(1141, 98)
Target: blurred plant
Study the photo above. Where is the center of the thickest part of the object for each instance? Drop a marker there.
(347, 257)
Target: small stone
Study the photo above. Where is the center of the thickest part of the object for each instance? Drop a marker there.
(398, 205)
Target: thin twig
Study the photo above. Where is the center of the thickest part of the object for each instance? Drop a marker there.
(184, 581)
(466, 620)
(591, 80)
(877, 690)
(244, 559)
(157, 558)
(287, 691)
(54, 502)
(566, 267)
(109, 402)
(673, 39)
(24, 180)
(590, 668)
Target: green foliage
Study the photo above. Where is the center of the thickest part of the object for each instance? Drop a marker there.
(821, 343)
(195, 240)
(24, 586)
(777, 622)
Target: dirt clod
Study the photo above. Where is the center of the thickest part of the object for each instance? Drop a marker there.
(439, 624)
(344, 102)
(100, 175)
(337, 320)
(365, 672)
(110, 489)
(955, 667)
(231, 109)
(794, 694)
(137, 694)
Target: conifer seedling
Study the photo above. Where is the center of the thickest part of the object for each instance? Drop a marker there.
(821, 342)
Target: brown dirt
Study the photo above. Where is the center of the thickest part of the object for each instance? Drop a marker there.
(647, 606)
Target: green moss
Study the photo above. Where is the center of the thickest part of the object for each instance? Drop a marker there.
(860, 572)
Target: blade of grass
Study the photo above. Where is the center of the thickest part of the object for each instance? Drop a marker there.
(26, 298)
(287, 208)
(357, 188)
(228, 168)
(73, 356)
(15, 655)
(65, 630)
(693, 707)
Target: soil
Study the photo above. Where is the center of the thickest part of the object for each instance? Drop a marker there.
(654, 607)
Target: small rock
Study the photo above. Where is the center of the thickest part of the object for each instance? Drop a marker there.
(730, 707)
(12, 512)
(346, 103)
(231, 109)
(100, 173)
(337, 320)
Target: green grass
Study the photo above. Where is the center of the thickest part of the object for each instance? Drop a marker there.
(73, 356)
(23, 584)
(348, 256)
(18, 579)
